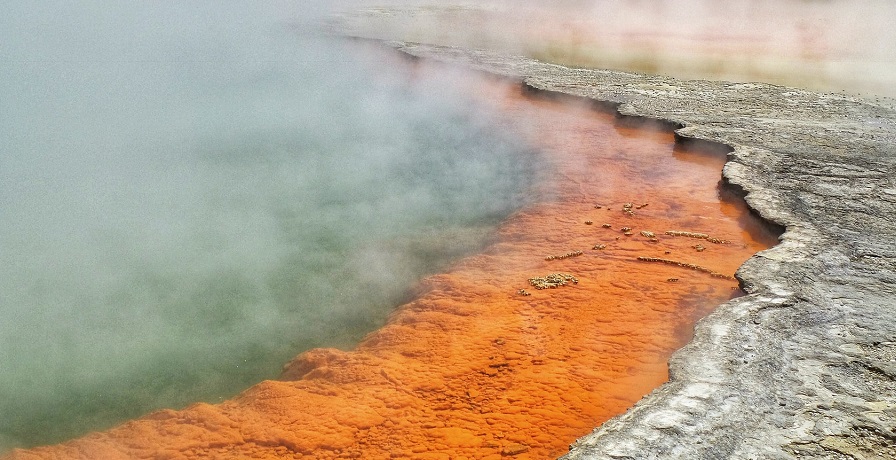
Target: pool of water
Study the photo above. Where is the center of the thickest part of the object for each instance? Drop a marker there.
(191, 194)
(480, 362)
(194, 194)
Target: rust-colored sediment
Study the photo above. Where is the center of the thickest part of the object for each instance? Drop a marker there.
(482, 364)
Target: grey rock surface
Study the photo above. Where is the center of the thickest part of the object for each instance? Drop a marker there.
(804, 366)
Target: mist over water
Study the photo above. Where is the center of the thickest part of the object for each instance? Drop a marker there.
(191, 194)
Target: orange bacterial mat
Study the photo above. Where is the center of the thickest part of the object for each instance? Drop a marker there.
(567, 319)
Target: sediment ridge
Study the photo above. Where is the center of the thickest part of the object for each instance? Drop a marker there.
(804, 365)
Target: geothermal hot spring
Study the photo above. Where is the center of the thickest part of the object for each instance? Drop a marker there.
(194, 195)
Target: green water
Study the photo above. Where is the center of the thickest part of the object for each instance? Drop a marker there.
(191, 194)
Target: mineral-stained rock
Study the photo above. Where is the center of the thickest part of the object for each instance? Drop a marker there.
(804, 364)
(514, 449)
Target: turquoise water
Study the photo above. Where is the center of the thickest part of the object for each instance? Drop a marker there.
(191, 194)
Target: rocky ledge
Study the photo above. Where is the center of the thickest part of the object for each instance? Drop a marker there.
(804, 366)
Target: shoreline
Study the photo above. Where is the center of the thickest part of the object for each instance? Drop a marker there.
(802, 365)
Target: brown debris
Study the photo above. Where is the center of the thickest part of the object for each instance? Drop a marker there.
(686, 265)
(554, 280)
(565, 256)
(702, 236)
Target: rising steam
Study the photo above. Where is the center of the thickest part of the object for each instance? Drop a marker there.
(826, 45)
(194, 193)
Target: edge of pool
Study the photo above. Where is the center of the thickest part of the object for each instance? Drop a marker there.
(805, 363)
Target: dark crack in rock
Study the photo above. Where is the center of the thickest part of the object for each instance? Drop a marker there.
(804, 366)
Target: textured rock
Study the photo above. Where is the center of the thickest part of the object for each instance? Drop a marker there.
(805, 365)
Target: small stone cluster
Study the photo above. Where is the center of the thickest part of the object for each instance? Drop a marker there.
(629, 208)
(554, 280)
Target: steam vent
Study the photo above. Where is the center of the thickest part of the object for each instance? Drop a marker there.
(706, 270)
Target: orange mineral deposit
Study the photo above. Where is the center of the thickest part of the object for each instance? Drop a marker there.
(566, 319)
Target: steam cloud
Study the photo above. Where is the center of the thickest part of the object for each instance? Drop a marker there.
(192, 193)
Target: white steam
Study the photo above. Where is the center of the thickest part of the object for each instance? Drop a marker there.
(827, 45)
(193, 192)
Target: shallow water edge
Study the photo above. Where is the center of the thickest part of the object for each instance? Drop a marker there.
(767, 375)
